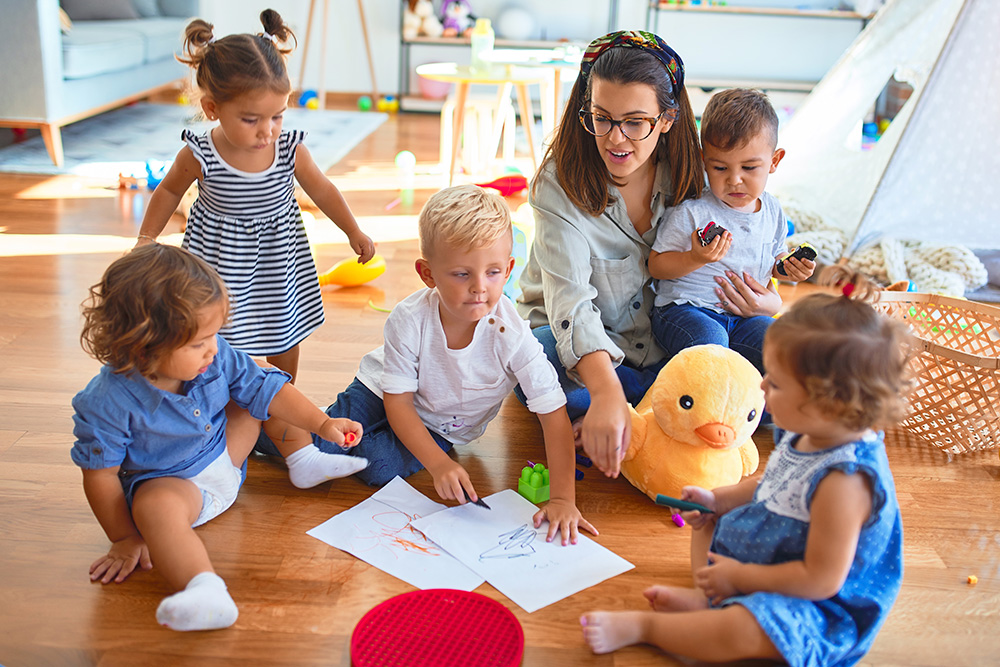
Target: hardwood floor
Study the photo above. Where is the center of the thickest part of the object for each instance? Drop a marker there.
(300, 599)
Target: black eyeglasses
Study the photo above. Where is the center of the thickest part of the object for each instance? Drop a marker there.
(635, 129)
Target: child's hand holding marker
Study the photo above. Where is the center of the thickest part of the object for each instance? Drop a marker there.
(344, 432)
(698, 506)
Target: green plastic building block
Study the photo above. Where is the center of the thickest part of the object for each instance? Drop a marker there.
(534, 483)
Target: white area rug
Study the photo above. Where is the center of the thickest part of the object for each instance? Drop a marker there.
(123, 140)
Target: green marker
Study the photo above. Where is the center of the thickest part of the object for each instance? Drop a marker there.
(683, 505)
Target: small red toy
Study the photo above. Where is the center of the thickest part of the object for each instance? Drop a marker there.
(507, 185)
(348, 438)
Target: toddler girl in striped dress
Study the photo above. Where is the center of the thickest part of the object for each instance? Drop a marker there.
(246, 222)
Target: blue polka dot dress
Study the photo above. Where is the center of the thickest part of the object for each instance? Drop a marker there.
(773, 529)
(248, 226)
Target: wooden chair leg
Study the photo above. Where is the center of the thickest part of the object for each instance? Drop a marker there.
(52, 136)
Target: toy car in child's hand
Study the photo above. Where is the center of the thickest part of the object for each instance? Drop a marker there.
(708, 233)
(804, 251)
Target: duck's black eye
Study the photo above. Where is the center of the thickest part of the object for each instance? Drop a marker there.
(753, 413)
(686, 402)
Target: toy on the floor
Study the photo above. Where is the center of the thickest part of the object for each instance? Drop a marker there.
(348, 272)
(306, 96)
(364, 103)
(419, 20)
(507, 185)
(156, 172)
(127, 181)
(694, 425)
(457, 18)
(533, 483)
(406, 162)
(438, 626)
(387, 104)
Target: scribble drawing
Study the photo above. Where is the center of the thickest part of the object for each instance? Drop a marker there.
(515, 543)
(393, 533)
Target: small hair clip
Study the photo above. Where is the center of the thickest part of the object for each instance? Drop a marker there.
(211, 40)
(273, 38)
(847, 289)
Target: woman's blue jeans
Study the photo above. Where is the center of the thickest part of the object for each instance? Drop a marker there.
(635, 381)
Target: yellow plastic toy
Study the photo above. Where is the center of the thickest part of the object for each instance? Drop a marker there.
(348, 272)
(694, 425)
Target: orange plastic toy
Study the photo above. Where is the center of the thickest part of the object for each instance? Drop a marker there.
(347, 272)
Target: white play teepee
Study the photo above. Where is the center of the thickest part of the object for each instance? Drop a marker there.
(934, 175)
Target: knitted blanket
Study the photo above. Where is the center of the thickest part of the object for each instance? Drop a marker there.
(948, 269)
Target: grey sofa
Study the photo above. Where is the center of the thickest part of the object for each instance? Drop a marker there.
(50, 79)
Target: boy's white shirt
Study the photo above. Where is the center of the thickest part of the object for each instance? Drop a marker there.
(457, 392)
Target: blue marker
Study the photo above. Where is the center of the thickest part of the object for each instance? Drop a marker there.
(683, 505)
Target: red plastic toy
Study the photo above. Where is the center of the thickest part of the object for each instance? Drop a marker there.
(507, 185)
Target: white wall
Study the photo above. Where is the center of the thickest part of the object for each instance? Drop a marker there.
(699, 38)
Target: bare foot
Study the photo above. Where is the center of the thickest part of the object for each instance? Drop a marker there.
(607, 631)
(675, 598)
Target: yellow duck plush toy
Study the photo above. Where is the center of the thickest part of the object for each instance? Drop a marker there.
(694, 425)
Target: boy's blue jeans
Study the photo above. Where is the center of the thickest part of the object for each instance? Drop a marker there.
(635, 381)
(680, 325)
(386, 454)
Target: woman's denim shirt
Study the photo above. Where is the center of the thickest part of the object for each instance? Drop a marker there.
(587, 277)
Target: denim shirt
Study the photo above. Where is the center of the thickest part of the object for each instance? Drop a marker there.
(587, 277)
(122, 421)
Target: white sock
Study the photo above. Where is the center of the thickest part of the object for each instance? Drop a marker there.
(204, 604)
(309, 466)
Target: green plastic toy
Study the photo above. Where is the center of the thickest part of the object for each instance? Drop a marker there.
(534, 483)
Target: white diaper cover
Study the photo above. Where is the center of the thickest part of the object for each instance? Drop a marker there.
(219, 483)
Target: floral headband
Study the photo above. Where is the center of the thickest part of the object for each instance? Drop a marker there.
(636, 39)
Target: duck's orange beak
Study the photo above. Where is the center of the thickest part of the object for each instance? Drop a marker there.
(717, 436)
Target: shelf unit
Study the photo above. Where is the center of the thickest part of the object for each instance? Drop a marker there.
(848, 23)
(654, 8)
(410, 103)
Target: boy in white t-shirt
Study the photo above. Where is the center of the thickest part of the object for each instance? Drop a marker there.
(452, 353)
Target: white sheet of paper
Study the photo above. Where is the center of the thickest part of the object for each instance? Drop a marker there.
(502, 545)
(377, 531)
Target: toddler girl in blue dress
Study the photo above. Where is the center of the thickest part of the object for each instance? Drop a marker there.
(804, 563)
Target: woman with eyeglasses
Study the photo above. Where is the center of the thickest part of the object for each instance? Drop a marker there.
(625, 151)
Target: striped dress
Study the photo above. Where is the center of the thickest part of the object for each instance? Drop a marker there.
(249, 227)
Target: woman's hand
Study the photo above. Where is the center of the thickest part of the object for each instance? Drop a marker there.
(606, 432)
(121, 560)
(563, 517)
(746, 297)
(363, 245)
(717, 579)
